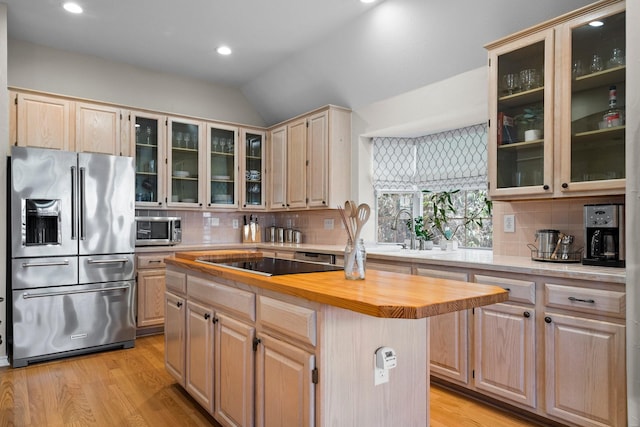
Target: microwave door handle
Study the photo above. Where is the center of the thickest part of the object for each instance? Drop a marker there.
(82, 212)
(74, 208)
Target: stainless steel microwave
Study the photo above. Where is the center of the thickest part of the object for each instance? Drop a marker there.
(158, 230)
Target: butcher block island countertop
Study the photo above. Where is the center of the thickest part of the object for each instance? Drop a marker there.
(300, 349)
(381, 294)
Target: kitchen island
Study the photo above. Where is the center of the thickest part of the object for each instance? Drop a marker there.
(299, 349)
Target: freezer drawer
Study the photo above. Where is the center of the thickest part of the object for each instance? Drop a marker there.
(51, 321)
(41, 272)
(106, 268)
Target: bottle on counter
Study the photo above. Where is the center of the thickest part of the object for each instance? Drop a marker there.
(614, 116)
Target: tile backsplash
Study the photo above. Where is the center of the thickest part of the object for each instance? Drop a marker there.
(322, 227)
(565, 215)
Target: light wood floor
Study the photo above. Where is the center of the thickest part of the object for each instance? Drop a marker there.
(132, 388)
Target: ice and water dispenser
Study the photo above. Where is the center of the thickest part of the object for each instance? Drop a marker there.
(41, 222)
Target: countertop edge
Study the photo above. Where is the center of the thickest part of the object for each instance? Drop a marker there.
(361, 296)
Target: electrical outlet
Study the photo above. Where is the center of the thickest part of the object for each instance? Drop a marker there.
(234, 223)
(328, 224)
(509, 225)
(214, 221)
(380, 376)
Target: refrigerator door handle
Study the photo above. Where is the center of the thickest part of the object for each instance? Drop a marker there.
(83, 233)
(74, 208)
(44, 264)
(107, 261)
(27, 295)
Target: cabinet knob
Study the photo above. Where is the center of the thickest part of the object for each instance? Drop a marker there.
(547, 319)
(283, 205)
(207, 316)
(215, 319)
(256, 341)
(545, 187)
(526, 314)
(199, 204)
(178, 304)
(159, 203)
(565, 185)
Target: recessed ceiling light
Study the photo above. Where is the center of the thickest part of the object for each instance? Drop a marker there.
(72, 7)
(596, 23)
(367, 1)
(224, 50)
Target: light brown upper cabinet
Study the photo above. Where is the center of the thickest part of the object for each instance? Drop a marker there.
(98, 128)
(310, 160)
(41, 121)
(556, 107)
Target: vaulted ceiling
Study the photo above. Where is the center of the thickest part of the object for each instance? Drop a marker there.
(289, 56)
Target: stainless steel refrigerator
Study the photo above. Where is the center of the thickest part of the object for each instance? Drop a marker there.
(72, 263)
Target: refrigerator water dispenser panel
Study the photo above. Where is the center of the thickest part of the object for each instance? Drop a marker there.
(41, 222)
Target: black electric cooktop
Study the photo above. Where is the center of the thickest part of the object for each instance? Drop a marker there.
(275, 266)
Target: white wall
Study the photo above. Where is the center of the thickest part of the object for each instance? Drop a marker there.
(449, 104)
(632, 204)
(45, 69)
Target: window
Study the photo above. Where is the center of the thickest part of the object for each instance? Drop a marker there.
(446, 161)
(467, 203)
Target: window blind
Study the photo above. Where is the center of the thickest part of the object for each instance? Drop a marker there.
(444, 161)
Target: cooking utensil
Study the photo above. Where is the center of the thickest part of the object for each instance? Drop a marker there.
(554, 255)
(362, 216)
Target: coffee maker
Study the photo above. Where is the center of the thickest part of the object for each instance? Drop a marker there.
(604, 235)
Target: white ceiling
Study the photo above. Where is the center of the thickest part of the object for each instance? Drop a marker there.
(290, 56)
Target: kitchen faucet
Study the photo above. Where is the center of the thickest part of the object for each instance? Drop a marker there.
(412, 234)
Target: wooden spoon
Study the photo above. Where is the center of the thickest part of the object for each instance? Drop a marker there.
(362, 216)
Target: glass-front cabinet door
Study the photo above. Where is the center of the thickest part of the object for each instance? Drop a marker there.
(184, 162)
(521, 111)
(147, 132)
(594, 100)
(222, 166)
(253, 171)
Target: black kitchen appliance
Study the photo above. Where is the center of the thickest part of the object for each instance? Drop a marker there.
(268, 266)
(604, 235)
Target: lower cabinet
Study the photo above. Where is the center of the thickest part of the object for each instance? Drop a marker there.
(284, 388)
(449, 335)
(505, 356)
(199, 354)
(150, 273)
(585, 370)
(234, 361)
(174, 336)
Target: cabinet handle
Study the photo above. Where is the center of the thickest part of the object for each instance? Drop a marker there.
(179, 304)
(547, 319)
(207, 316)
(589, 301)
(256, 341)
(545, 187)
(526, 314)
(507, 289)
(565, 185)
(214, 320)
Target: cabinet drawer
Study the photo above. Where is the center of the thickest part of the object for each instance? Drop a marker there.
(231, 300)
(151, 260)
(295, 321)
(442, 274)
(586, 300)
(519, 290)
(176, 282)
(396, 268)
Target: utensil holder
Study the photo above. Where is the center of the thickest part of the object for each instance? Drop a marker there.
(355, 258)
